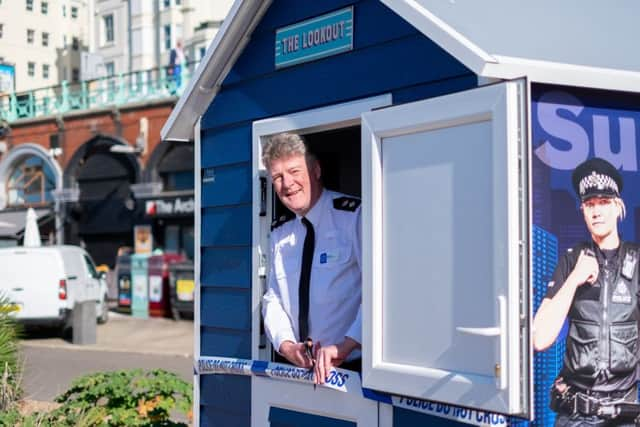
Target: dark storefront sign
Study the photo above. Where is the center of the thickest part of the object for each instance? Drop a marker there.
(170, 207)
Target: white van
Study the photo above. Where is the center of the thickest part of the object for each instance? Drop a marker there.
(43, 283)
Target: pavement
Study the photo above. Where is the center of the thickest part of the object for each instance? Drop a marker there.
(124, 333)
(124, 342)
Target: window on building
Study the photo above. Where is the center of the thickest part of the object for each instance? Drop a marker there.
(108, 28)
(167, 37)
(44, 7)
(31, 183)
(1, 30)
(64, 41)
(178, 2)
(74, 12)
(75, 43)
(65, 74)
(31, 68)
(75, 75)
(30, 36)
(29, 4)
(203, 51)
(64, 10)
(45, 39)
(110, 69)
(167, 3)
(45, 71)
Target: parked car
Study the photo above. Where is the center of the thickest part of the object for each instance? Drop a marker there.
(43, 283)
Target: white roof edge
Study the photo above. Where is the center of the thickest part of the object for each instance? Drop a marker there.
(222, 53)
(563, 74)
(444, 35)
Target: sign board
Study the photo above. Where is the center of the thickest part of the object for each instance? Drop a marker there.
(7, 78)
(142, 239)
(569, 126)
(315, 38)
(170, 207)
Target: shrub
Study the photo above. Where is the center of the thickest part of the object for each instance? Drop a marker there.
(123, 398)
(10, 390)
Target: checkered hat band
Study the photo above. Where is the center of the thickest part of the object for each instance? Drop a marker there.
(598, 182)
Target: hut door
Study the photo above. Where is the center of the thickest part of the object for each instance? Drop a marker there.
(445, 250)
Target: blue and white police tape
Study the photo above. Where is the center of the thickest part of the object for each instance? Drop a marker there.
(348, 381)
(338, 379)
(441, 410)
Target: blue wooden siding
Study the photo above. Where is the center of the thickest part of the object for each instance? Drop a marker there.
(389, 56)
(280, 417)
(404, 417)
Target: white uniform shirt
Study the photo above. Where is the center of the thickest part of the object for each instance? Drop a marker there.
(336, 275)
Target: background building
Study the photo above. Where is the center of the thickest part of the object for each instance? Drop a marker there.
(86, 154)
(135, 35)
(43, 53)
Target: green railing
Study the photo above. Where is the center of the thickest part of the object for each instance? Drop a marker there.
(137, 86)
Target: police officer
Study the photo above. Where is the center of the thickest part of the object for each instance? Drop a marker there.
(595, 286)
(315, 280)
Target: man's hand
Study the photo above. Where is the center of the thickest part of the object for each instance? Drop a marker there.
(330, 357)
(586, 269)
(295, 353)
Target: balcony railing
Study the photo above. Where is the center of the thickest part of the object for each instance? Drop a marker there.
(137, 86)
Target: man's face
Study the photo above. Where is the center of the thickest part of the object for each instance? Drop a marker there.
(600, 215)
(296, 183)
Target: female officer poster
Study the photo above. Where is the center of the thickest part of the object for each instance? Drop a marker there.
(569, 127)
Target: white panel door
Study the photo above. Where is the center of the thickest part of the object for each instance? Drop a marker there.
(301, 397)
(445, 248)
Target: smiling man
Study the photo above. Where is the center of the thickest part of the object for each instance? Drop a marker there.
(595, 287)
(315, 280)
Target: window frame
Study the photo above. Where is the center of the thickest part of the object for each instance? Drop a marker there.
(44, 8)
(31, 68)
(31, 36)
(166, 30)
(45, 38)
(314, 120)
(108, 23)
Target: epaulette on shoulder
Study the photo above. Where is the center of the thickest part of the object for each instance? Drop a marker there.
(281, 220)
(346, 203)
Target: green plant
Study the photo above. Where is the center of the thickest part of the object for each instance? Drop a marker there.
(10, 390)
(123, 398)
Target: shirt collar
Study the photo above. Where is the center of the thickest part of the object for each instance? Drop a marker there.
(315, 213)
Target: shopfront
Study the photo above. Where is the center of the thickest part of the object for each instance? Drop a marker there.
(29, 177)
(103, 212)
(456, 128)
(167, 199)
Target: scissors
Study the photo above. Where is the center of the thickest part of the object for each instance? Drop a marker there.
(308, 349)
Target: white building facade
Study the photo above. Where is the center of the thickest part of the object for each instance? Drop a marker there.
(43, 40)
(134, 35)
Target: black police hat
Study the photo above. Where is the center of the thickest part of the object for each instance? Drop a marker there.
(596, 178)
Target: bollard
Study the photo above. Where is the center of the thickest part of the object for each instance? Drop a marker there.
(84, 323)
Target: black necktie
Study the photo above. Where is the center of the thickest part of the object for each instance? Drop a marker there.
(305, 277)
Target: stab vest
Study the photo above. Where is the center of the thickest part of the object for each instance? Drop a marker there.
(603, 320)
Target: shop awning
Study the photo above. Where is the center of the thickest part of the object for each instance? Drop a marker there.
(12, 222)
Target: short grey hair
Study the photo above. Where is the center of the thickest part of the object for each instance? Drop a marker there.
(284, 145)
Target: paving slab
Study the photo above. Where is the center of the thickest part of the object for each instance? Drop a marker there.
(124, 333)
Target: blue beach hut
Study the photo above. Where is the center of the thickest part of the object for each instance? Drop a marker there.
(458, 124)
